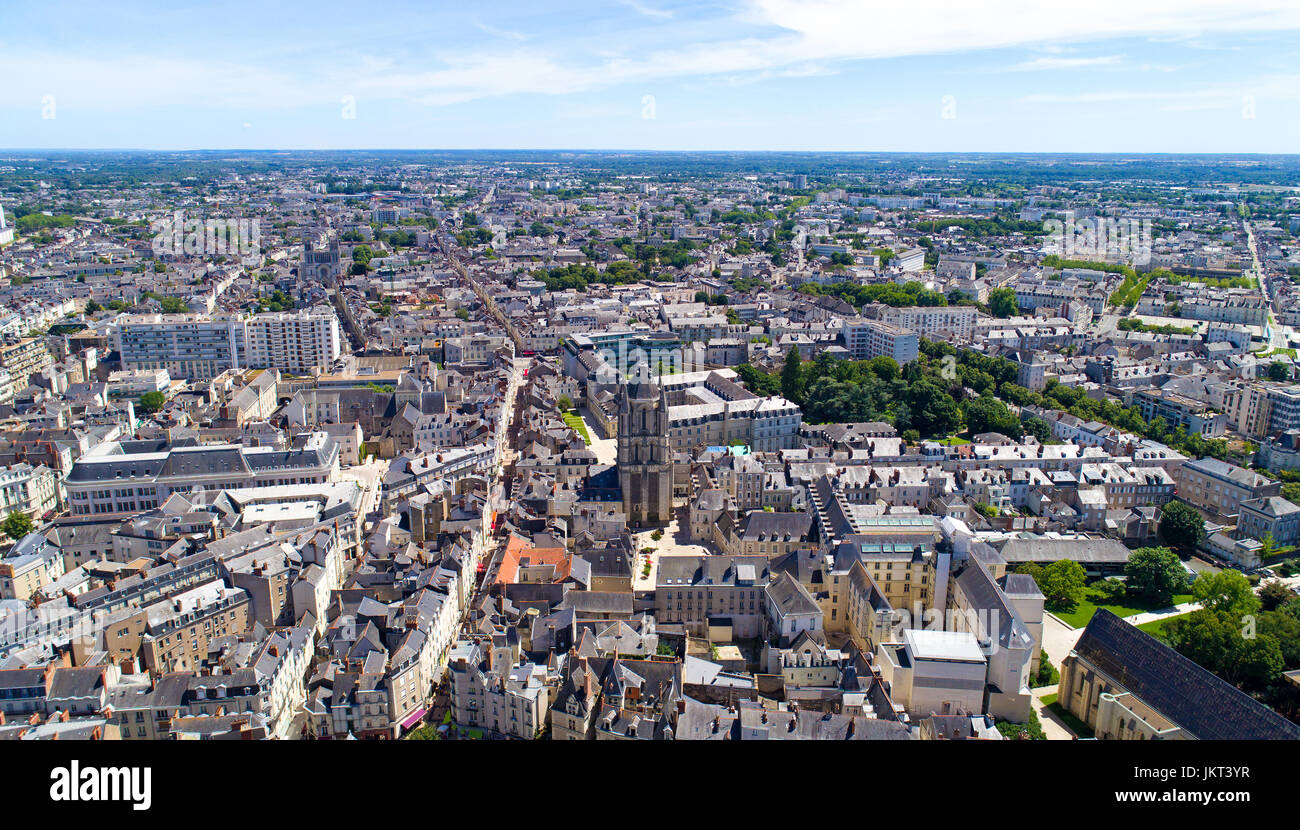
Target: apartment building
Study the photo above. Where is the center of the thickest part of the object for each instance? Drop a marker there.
(24, 358)
(1126, 486)
(1283, 408)
(1271, 516)
(491, 690)
(693, 590)
(1248, 409)
(191, 346)
(709, 409)
(200, 346)
(33, 491)
(31, 564)
(118, 479)
(299, 342)
(1179, 410)
(867, 339)
(934, 322)
(1219, 487)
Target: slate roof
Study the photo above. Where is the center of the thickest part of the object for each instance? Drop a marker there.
(1190, 696)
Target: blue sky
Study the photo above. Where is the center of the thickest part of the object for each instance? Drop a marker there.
(921, 75)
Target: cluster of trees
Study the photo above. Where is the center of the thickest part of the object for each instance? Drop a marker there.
(1002, 302)
(278, 301)
(1154, 576)
(1181, 527)
(1134, 324)
(1129, 291)
(980, 228)
(892, 294)
(27, 223)
(578, 276)
(710, 299)
(743, 217)
(473, 236)
(1063, 583)
(1213, 282)
(401, 238)
(1055, 261)
(834, 391)
(361, 256)
(927, 398)
(1248, 640)
(170, 305)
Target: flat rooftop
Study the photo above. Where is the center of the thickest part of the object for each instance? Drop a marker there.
(949, 646)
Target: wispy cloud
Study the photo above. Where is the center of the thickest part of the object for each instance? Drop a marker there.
(648, 11)
(502, 33)
(1271, 88)
(1045, 64)
(760, 40)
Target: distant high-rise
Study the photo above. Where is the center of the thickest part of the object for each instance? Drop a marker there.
(645, 467)
(6, 232)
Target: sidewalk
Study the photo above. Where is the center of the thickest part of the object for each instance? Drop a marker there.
(1052, 727)
(1152, 616)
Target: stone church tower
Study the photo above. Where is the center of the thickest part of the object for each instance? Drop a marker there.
(645, 466)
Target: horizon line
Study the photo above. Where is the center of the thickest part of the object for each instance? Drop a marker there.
(607, 150)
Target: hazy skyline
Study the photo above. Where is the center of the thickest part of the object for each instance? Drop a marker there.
(928, 75)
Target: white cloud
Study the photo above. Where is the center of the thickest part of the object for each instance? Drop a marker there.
(518, 37)
(648, 11)
(763, 39)
(1274, 87)
(1041, 64)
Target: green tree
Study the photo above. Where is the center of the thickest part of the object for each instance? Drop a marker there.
(931, 410)
(1047, 674)
(1062, 584)
(1002, 302)
(1181, 526)
(16, 525)
(884, 367)
(1278, 371)
(1155, 575)
(988, 414)
(1274, 594)
(565, 403)
(1227, 591)
(151, 402)
(1038, 428)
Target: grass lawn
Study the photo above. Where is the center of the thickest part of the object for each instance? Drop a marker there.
(1083, 612)
(1075, 725)
(575, 423)
(1156, 628)
(953, 441)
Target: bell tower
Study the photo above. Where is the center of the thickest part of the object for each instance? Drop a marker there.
(645, 467)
